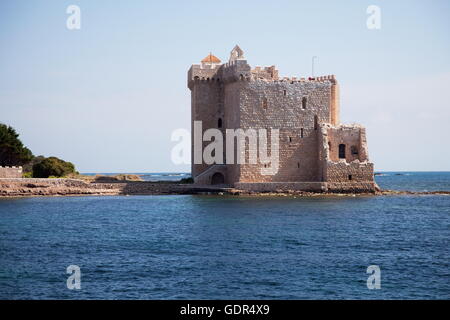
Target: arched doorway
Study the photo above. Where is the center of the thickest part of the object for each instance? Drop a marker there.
(217, 178)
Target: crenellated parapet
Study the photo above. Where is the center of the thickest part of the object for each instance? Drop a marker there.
(11, 172)
(236, 70)
(203, 72)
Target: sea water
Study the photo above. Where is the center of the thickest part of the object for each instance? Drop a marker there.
(230, 247)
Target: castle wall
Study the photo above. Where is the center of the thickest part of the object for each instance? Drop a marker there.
(10, 172)
(306, 113)
(353, 137)
(341, 171)
(284, 111)
(282, 186)
(354, 173)
(232, 118)
(334, 103)
(207, 107)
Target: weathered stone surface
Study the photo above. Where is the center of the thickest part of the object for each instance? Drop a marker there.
(305, 111)
(10, 172)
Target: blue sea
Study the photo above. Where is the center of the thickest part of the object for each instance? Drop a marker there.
(230, 247)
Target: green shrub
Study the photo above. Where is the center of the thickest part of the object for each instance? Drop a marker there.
(27, 175)
(187, 180)
(28, 167)
(53, 167)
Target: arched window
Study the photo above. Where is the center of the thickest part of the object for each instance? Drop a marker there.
(304, 100)
(342, 151)
(219, 123)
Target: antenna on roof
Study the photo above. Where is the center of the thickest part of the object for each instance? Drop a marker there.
(312, 65)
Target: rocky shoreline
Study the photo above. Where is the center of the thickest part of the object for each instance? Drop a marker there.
(28, 187)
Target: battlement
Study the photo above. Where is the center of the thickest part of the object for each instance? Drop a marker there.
(237, 69)
(328, 78)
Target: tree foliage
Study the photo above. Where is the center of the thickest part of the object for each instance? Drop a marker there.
(28, 167)
(52, 166)
(12, 150)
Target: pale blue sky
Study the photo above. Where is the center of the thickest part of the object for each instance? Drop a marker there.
(107, 97)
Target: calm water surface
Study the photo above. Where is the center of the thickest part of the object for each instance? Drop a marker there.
(220, 247)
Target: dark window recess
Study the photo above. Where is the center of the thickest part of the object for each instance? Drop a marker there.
(301, 133)
(264, 103)
(329, 146)
(298, 164)
(316, 122)
(219, 123)
(290, 139)
(304, 101)
(350, 177)
(342, 151)
(354, 150)
(284, 92)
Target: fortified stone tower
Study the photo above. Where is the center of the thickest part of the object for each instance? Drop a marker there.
(316, 152)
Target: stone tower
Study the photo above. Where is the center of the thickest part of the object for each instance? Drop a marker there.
(316, 152)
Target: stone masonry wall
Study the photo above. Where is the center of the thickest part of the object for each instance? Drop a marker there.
(207, 102)
(278, 105)
(10, 172)
(205, 178)
(281, 186)
(347, 172)
(306, 113)
(350, 136)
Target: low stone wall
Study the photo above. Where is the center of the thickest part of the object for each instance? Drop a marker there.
(11, 187)
(353, 177)
(10, 172)
(352, 187)
(45, 181)
(341, 171)
(281, 186)
(317, 187)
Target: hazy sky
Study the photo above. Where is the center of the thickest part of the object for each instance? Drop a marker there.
(108, 96)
